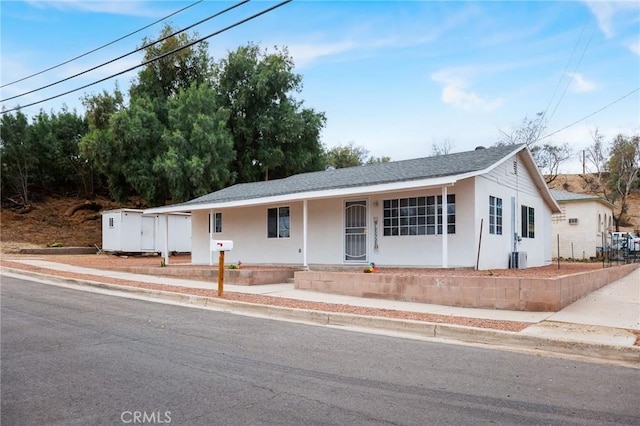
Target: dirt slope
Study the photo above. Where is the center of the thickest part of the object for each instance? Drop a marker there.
(69, 221)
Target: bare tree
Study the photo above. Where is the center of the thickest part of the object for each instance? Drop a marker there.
(624, 166)
(549, 156)
(443, 147)
(596, 166)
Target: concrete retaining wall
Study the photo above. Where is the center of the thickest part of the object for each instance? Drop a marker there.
(512, 293)
(231, 276)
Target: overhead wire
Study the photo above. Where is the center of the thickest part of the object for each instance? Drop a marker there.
(103, 46)
(164, 55)
(590, 115)
(129, 53)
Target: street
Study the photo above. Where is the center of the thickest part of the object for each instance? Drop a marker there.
(71, 357)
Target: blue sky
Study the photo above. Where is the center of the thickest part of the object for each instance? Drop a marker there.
(392, 76)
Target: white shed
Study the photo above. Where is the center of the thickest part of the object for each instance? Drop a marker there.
(129, 230)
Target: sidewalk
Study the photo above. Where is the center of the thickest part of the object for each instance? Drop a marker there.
(603, 321)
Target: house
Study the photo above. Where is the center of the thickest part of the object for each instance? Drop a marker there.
(132, 231)
(495, 202)
(583, 224)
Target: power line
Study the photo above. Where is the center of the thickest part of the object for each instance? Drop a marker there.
(103, 46)
(592, 114)
(127, 54)
(164, 55)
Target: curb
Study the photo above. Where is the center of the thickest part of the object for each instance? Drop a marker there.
(629, 355)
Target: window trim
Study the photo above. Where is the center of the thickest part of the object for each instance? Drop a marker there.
(495, 215)
(279, 221)
(417, 216)
(528, 222)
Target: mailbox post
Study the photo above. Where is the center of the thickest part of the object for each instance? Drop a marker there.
(221, 246)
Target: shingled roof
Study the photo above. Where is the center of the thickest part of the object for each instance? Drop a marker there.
(371, 174)
(565, 196)
(360, 176)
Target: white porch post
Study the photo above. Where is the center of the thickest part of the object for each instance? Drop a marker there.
(210, 237)
(445, 234)
(304, 234)
(166, 239)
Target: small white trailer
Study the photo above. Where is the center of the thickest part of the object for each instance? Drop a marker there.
(131, 231)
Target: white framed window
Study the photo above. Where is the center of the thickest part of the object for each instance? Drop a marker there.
(418, 216)
(217, 222)
(573, 221)
(111, 222)
(528, 225)
(278, 222)
(495, 215)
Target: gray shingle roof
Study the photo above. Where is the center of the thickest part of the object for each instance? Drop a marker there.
(572, 196)
(372, 174)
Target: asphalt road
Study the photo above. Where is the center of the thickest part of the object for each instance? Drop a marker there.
(75, 358)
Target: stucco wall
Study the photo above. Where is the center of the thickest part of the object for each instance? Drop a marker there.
(511, 179)
(579, 241)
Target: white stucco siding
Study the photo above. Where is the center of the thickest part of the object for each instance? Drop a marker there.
(325, 241)
(200, 238)
(579, 239)
(422, 250)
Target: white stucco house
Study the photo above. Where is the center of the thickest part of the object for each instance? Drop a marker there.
(495, 202)
(583, 223)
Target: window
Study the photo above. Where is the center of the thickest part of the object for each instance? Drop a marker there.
(528, 222)
(217, 223)
(573, 221)
(278, 222)
(418, 216)
(495, 215)
(110, 222)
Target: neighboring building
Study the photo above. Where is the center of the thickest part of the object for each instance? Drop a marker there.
(131, 231)
(583, 224)
(387, 213)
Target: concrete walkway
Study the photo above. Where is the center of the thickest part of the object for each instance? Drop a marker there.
(604, 317)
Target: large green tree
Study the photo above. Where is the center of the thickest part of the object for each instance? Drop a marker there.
(274, 134)
(198, 146)
(18, 157)
(98, 147)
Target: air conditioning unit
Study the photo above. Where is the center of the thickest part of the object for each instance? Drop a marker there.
(518, 260)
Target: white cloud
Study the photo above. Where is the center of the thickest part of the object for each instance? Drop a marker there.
(634, 46)
(606, 11)
(305, 54)
(455, 93)
(580, 84)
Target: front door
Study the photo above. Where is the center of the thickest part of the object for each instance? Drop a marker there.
(355, 231)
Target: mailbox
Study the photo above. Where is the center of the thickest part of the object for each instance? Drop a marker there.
(221, 245)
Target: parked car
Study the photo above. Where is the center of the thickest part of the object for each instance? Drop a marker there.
(625, 241)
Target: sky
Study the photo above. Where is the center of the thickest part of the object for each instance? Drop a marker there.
(394, 77)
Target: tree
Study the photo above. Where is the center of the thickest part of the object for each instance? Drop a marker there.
(97, 145)
(350, 155)
(199, 148)
(549, 156)
(443, 147)
(624, 167)
(274, 135)
(18, 159)
(596, 165)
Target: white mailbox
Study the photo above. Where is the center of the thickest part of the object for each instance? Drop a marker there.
(221, 245)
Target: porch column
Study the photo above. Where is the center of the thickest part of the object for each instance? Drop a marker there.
(304, 234)
(210, 237)
(445, 234)
(166, 239)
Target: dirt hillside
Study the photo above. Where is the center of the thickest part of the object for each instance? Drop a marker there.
(50, 221)
(76, 222)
